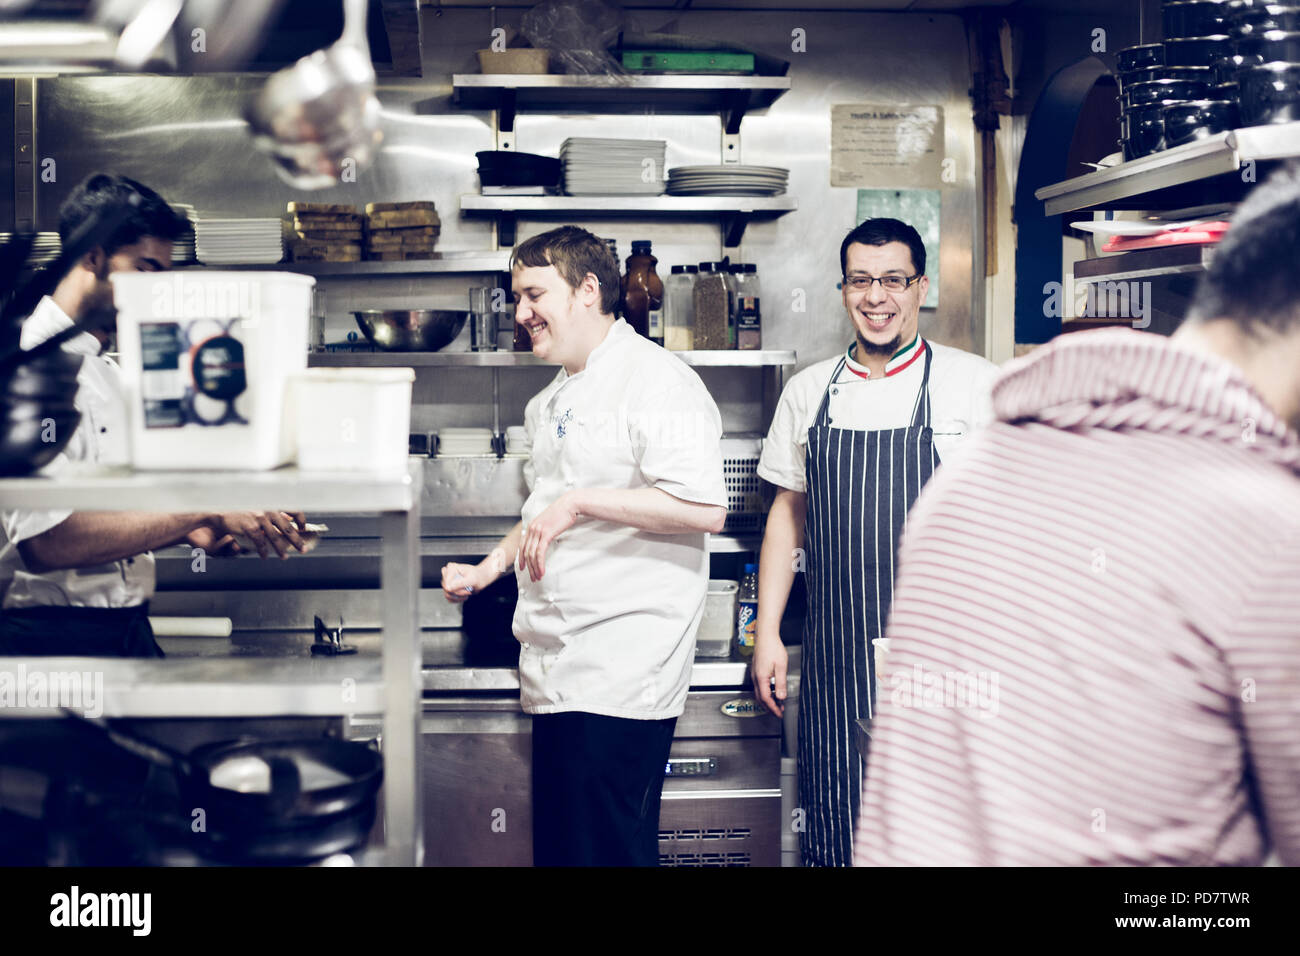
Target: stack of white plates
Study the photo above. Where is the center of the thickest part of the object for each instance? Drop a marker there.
(231, 241)
(460, 442)
(613, 167)
(183, 245)
(45, 248)
(727, 181)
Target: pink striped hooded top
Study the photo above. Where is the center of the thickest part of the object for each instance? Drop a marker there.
(1096, 626)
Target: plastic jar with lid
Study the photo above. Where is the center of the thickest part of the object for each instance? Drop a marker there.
(709, 296)
(679, 309)
(733, 272)
(748, 307)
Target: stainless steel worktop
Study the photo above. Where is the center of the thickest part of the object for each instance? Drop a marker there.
(261, 673)
(449, 663)
(212, 685)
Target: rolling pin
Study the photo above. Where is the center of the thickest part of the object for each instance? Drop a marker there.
(191, 626)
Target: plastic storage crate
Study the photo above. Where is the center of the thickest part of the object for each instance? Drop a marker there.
(745, 511)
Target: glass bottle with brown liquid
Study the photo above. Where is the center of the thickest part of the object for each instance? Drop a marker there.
(643, 294)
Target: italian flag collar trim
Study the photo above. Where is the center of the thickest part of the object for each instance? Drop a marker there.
(903, 358)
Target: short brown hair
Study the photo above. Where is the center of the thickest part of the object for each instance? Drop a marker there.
(575, 253)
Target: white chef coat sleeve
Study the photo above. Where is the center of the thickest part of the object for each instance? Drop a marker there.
(676, 436)
(532, 412)
(782, 460)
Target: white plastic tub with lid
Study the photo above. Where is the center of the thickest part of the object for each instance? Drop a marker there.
(353, 419)
(718, 624)
(206, 358)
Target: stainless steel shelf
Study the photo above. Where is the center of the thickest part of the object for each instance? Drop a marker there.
(210, 686)
(448, 546)
(735, 358)
(1218, 155)
(734, 543)
(692, 93)
(107, 489)
(1144, 264)
(640, 205)
(443, 263)
(730, 358)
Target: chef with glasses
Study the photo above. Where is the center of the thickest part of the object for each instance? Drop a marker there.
(853, 440)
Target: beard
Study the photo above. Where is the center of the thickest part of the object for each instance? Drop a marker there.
(887, 349)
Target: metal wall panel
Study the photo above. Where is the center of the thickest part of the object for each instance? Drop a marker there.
(183, 136)
(7, 156)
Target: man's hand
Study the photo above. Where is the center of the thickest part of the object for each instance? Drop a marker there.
(770, 662)
(220, 546)
(459, 581)
(558, 518)
(267, 530)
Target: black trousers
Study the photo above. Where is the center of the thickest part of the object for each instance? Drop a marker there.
(597, 783)
(77, 632)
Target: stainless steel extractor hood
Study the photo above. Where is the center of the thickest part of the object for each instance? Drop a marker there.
(44, 37)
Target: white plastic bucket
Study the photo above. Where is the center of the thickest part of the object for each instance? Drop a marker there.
(206, 360)
(353, 419)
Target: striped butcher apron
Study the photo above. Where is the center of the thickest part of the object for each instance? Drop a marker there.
(861, 485)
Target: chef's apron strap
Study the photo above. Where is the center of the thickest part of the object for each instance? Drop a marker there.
(78, 632)
(823, 410)
(921, 407)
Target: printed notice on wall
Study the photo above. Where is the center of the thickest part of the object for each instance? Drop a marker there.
(886, 145)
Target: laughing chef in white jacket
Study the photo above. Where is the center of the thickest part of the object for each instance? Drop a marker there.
(611, 557)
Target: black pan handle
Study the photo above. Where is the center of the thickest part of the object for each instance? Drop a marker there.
(145, 749)
(286, 785)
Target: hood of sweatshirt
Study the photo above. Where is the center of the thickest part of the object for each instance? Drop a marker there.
(1125, 380)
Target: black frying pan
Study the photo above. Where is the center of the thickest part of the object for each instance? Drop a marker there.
(245, 786)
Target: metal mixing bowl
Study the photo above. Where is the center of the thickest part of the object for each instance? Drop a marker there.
(411, 330)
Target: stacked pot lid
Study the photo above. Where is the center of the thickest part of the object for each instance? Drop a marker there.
(1221, 64)
(1268, 43)
(613, 167)
(238, 241)
(45, 248)
(727, 180)
(183, 245)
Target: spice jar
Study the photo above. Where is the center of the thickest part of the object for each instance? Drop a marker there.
(711, 308)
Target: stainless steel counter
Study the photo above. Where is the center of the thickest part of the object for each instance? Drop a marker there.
(213, 685)
(447, 660)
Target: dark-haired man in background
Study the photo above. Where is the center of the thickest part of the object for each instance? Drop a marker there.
(611, 557)
(1120, 558)
(79, 583)
(852, 441)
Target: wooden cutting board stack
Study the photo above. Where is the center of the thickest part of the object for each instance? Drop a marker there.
(401, 230)
(325, 232)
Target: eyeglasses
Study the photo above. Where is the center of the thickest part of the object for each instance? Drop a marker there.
(888, 283)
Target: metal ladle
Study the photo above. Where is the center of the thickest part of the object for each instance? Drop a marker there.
(320, 118)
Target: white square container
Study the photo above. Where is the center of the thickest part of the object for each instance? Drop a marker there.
(353, 419)
(718, 625)
(206, 361)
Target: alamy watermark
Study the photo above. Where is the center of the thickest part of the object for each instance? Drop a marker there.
(179, 297)
(932, 689)
(26, 689)
(1130, 301)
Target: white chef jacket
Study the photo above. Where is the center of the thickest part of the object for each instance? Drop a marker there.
(101, 438)
(610, 628)
(960, 402)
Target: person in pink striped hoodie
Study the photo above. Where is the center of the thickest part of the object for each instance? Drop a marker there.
(1095, 635)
